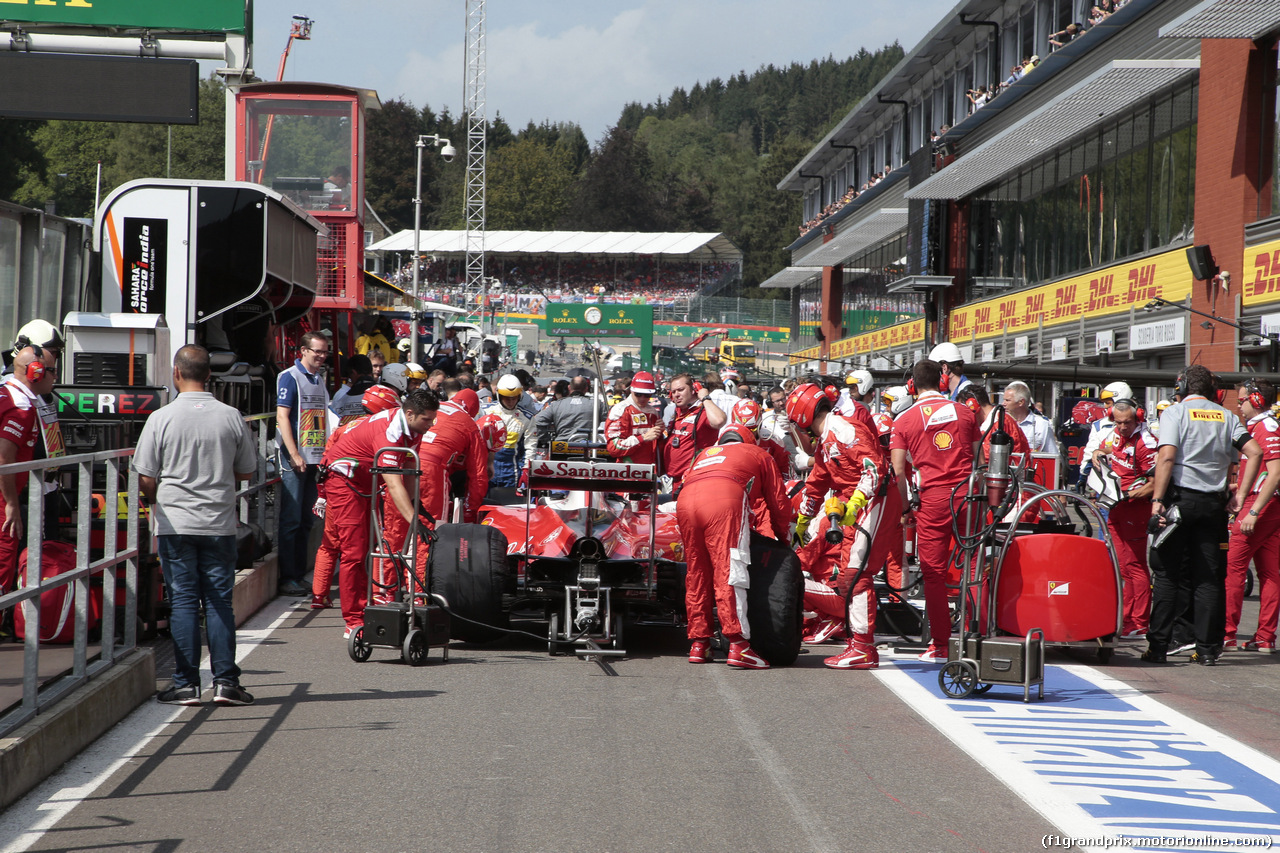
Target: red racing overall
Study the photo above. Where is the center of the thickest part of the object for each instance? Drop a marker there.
(1132, 459)
(348, 496)
(712, 513)
(1262, 546)
(939, 436)
(849, 458)
(20, 426)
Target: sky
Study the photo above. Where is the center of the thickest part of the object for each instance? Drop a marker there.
(570, 60)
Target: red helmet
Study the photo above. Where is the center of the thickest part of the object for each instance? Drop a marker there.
(803, 402)
(1086, 412)
(884, 424)
(730, 433)
(469, 400)
(494, 431)
(379, 398)
(746, 412)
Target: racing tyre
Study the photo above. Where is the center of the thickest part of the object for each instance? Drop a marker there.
(357, 647)
(775, 601)
(414, 651)
(470, 572)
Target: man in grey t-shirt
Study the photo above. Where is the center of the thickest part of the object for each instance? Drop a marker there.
(1199, 440)
(189, 456)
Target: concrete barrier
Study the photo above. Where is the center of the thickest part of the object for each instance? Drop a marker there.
(37, 749)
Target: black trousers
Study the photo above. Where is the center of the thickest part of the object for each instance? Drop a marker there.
(1190, 569)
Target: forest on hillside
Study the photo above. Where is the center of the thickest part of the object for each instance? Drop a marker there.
(705, 159)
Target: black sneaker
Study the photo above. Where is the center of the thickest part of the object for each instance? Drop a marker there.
(1152, 656)
(292, 588)
(231, 694)
(1204, 660)
(189, 695)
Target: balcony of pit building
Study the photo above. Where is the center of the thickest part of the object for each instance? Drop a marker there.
(971, 47)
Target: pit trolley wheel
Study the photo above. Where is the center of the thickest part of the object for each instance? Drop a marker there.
(357, 647)
(958, 679)
(553, 634)
(414, 651)
(617, 631)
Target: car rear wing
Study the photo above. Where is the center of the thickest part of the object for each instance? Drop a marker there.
(590, 475)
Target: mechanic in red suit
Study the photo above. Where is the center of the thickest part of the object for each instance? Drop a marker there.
(379, 398)
(633, 430)
(748, 413)
(975, 397)
(1131, 450)
(942, 440)
(715, 528)
(848, 465)
(19, 432)
(1255, 528)
(348, 489)
(695, 425)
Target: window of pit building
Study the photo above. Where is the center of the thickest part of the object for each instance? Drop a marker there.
(1124, 188)
(305, 150)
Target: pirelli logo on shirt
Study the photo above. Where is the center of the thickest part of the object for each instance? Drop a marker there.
(1208, 415)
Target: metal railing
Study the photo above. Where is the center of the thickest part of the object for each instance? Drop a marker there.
(119, 636)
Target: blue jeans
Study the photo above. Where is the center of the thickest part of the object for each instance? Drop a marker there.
(201, 569)
(297, 499)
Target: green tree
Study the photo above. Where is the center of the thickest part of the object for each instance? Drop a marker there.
(390, 165)
(617, 193)
(20, 156)
(528, 186)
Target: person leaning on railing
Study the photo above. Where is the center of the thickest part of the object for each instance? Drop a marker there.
(19, 434)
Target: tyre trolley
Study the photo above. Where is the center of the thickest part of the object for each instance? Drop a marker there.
(405, 615)
(1043, 588)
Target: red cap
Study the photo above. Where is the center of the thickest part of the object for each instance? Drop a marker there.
(469, 400)
(642, 383)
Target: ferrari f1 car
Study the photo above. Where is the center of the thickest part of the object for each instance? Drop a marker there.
(590, 549)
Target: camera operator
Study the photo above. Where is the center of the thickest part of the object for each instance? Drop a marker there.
(1198, 442)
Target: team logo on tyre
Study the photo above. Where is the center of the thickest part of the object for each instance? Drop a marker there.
(943, 440)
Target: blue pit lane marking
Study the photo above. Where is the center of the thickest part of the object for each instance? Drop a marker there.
(1110, 767)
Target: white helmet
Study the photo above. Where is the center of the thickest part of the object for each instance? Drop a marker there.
(1117, 391)
(945, 351)
(40, 333)
(897, 399)
(397, 376)
(861, 379)
(509, 386)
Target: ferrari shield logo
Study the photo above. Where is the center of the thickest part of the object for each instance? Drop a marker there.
(928, 410)
(943, 440)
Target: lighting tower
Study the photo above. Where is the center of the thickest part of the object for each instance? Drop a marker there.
(473, 85)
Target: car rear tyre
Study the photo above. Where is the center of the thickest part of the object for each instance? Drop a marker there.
(470, 572)
(775, 601)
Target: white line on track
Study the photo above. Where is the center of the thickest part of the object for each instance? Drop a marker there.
(26, 821)
(820, 839)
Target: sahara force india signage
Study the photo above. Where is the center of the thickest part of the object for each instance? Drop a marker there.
(214, 16)
(1113, 290)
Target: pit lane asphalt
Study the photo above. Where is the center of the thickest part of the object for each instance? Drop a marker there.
(507, 749)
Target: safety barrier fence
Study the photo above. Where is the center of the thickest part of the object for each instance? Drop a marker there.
(117, 567)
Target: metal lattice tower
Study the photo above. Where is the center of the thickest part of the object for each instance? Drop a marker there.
(473, 87)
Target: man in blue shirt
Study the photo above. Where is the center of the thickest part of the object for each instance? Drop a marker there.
(301, 433)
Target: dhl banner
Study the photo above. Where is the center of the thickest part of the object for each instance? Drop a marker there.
(1108, 291)
(868, 342)
(1261, 274)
